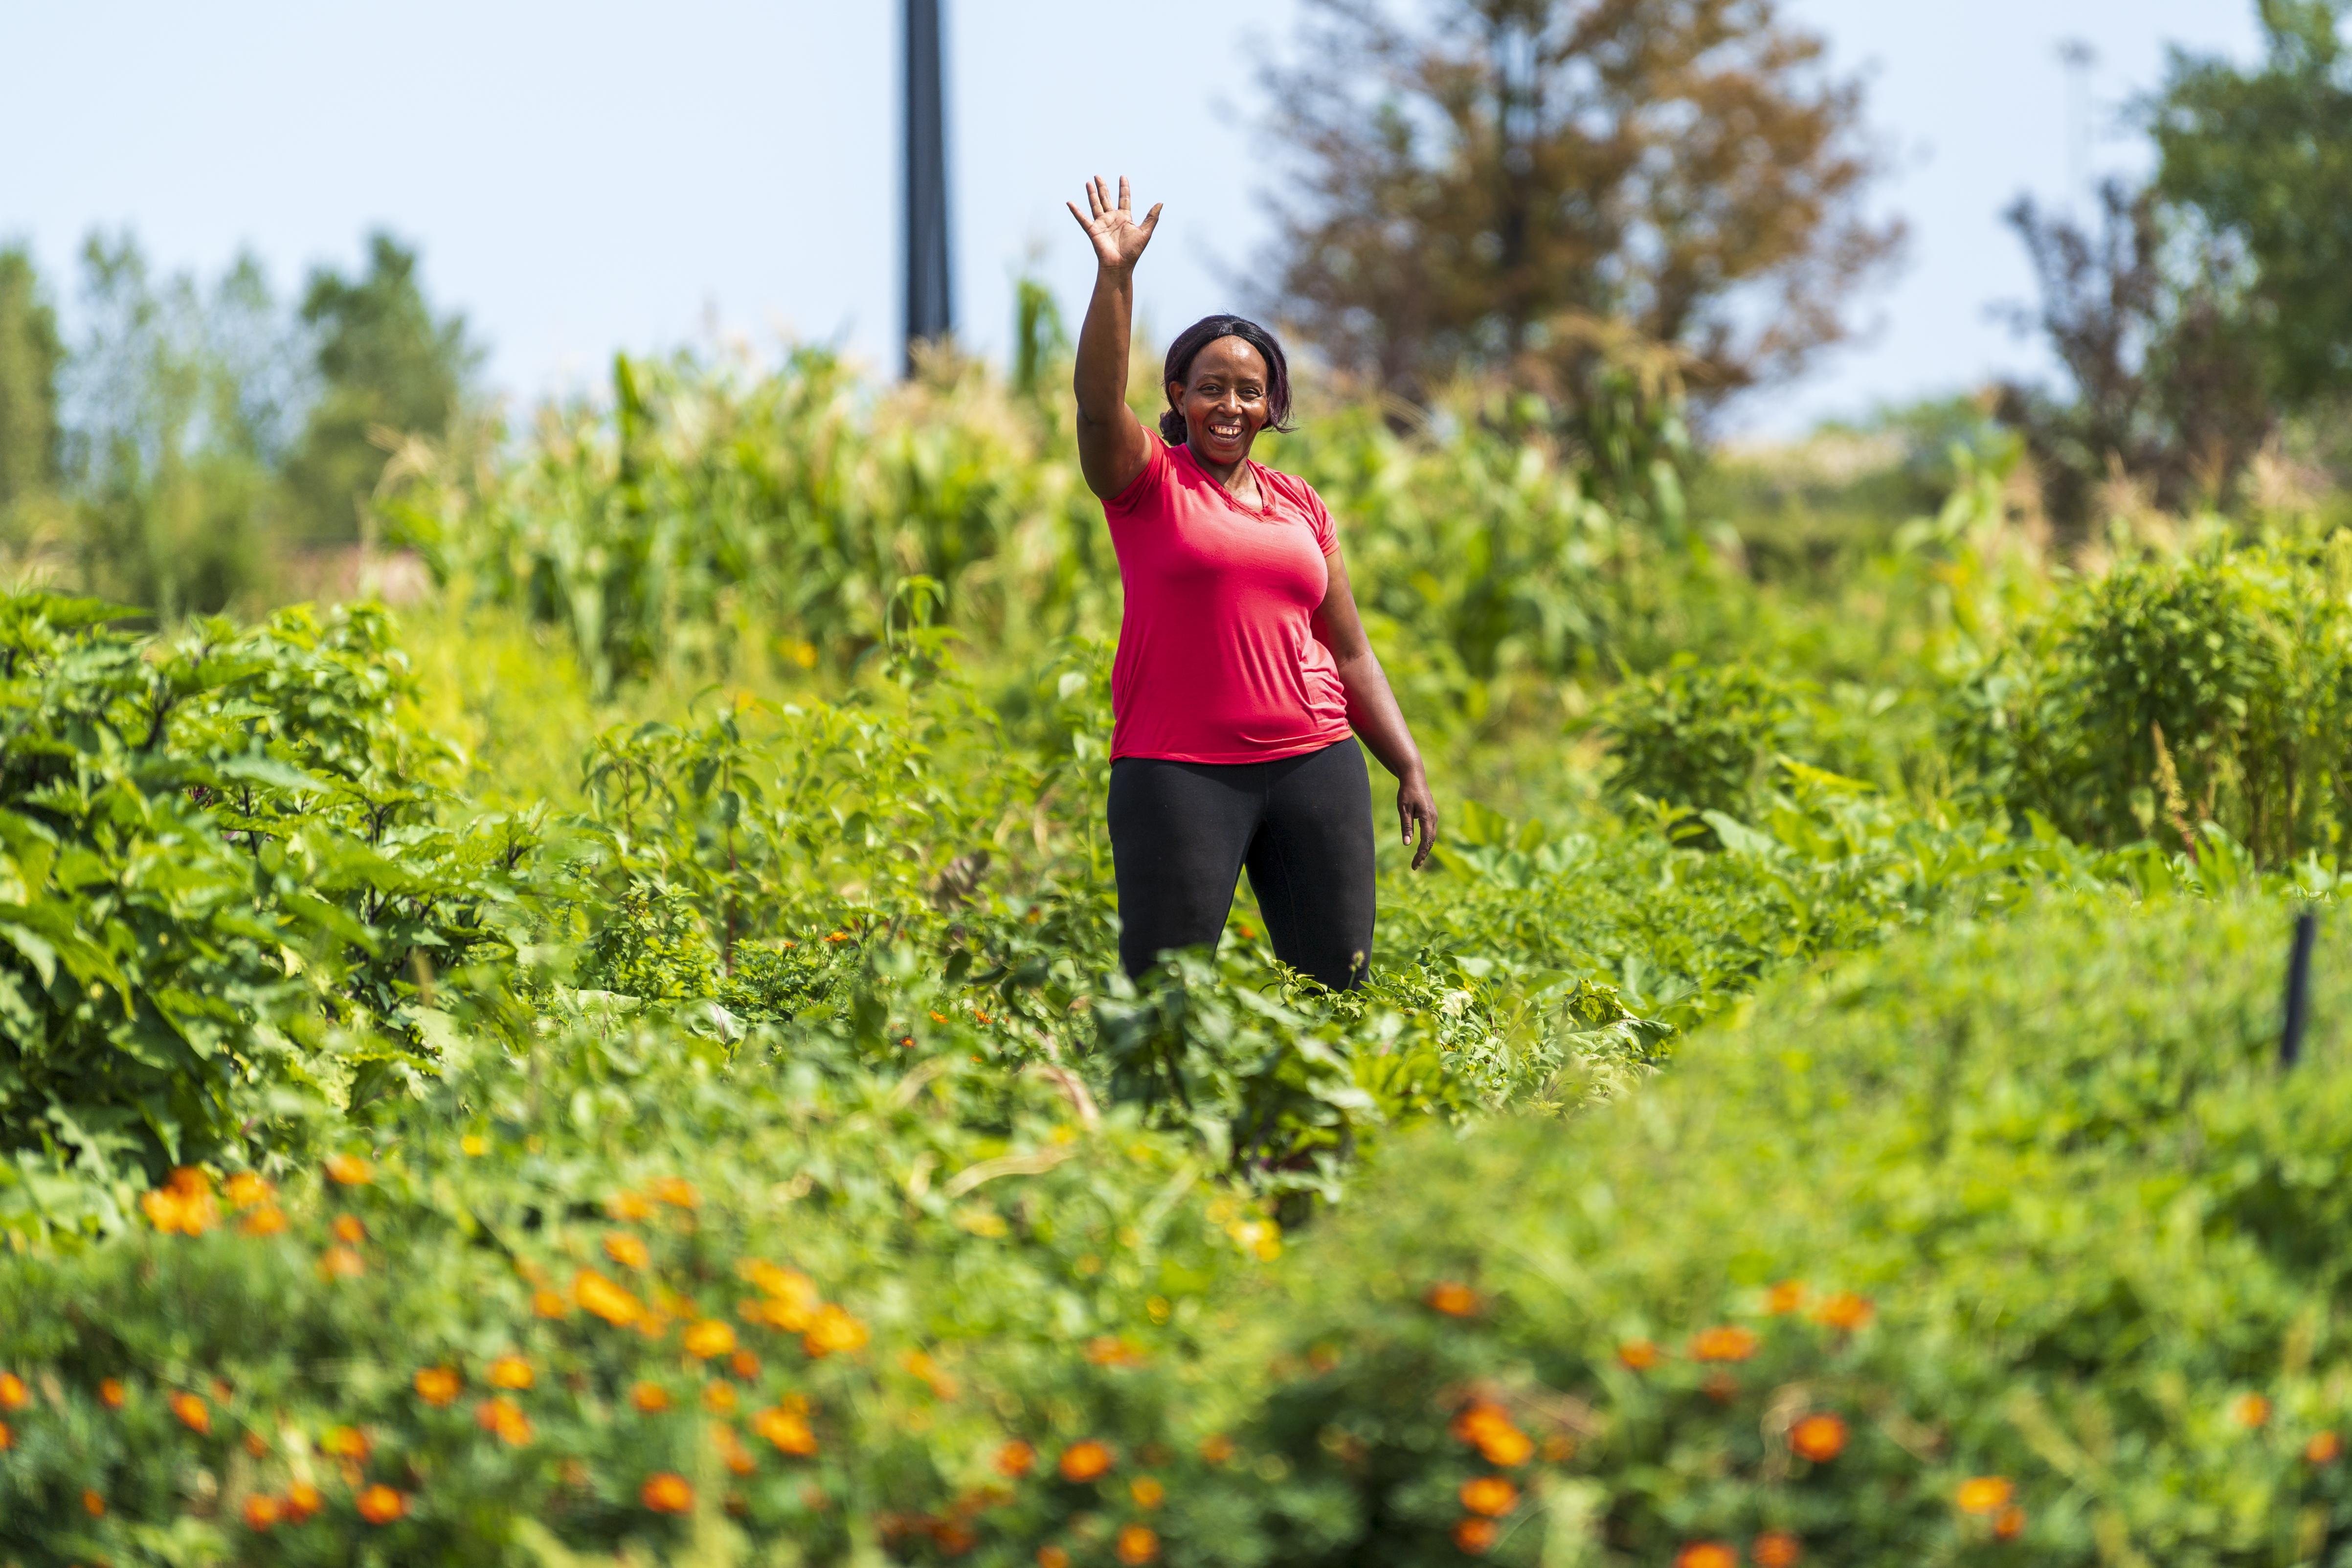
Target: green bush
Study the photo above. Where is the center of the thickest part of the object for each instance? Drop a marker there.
(228, 877)
(2170, 693)
(1700, 737)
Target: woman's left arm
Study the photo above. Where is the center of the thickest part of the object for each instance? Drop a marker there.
(1372, 708)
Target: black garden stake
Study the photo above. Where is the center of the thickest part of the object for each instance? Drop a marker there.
(2298, 989)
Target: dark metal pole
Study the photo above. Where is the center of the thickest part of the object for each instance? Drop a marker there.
(2298, 989)
(930, 314)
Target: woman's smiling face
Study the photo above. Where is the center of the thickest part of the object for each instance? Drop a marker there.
(1222, 400)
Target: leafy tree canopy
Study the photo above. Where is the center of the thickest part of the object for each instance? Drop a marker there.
(30, 353)
(386, 367)
(2265, 155)
(1523, 181)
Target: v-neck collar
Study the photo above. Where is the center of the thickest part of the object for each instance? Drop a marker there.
(1265, 491)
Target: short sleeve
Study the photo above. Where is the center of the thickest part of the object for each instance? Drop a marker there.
(1319, 517)
(1145, 485)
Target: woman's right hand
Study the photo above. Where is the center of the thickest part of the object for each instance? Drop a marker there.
(1118, 239)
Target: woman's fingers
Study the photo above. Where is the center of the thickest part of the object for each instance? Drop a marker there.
(1151, 219)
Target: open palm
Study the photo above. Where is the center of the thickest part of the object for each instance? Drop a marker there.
(1118, 239)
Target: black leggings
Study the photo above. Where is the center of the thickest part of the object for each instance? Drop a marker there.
(1181, 834)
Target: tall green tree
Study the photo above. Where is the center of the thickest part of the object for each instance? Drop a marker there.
(177, 405)
(2264, 155)
(30, 355)
(385, 366)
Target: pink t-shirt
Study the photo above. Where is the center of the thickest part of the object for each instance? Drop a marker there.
(1217, 656)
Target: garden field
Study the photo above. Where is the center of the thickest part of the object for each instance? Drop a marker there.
(623, 1060)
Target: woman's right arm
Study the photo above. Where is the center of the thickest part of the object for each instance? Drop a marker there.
(1113, 446)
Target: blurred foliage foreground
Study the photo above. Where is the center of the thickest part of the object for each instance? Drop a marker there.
(1850, 1134)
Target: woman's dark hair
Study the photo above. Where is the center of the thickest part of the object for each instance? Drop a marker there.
(1200, 335)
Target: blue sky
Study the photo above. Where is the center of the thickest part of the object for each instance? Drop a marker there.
(588, 176)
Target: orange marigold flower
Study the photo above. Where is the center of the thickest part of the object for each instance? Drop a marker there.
(744, 1364)
(1984, 1494)
(1776, 1548)
(836, 936)
(1113, 1349)
(302, 1500)
(549, 1304)
(193, 1413)
(1137, 1545)
(1084, 1461)
(346, 1443)
(262, 1510)
(350, 1171)
(2325, 1448)
(1483, 1425)
(719, 1397)
(2250, 1410)
(651, 1398)
(511, 1372)
(1844, 1310)
(627, 1204)
(1053, 1557)
(666, 1493)
(791, 1296)
(628, 1251)
(348, 1229)
(1490, 1495)
(2010, 1525)
(13, 1393)
(1216, 1448)
(184, 1207)
(676, 1191)
(7, 1437)
(505, 1417)
(709, 1338)
(257, 1445)
(245, 1189)
(439, 1386)
(731, 1452)
(1015, 1459)
(1730, 1341)
(110, 1393)
(382, 1505)
(1820, 1437)
(1639, 1355)
(787, 1429)
(1706, 1554)
(833, 1330)
(599, 1295)
(341, 1263)
(266, 1220)
(1781, 1299)
(1147, 1492)
(1476, 1536)
(92, 1504)
(1453, 1300)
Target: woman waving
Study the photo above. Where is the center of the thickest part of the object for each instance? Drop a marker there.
(1243, 676)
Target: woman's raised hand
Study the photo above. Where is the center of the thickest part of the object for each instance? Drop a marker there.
(1119, 238)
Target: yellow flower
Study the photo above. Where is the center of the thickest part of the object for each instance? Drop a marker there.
(437, 1386)
(2325, 1448)
(193, 1413)
(1985, 1494)
(245, 1189)
(1706, 1554)
(649, 1397)
(549, 1304)
(607, 1300)
(666, 1493)
(505, 1417)
(1455, 1300)
(1844, 1310)
(628, 1251)
(1729, 1343)
(350, 1171)
(1137, 1545)
(628, 1205)
(346, 1443)
(382, 1505)
(1084, 1461)
(1015, 1459)
(1819, 1438)
(341, 1263)
(677, 1191)
(268, 1219)
(1639, 1355)
(833, 1330)
(262, 1510)
(13, 1392)
(349, 1230)
(709, 1338)
(1781, 1299)
(1490, 1495)
(2250, 1410)
(511, 1372)
(787, 1429)
(1147, 1492)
